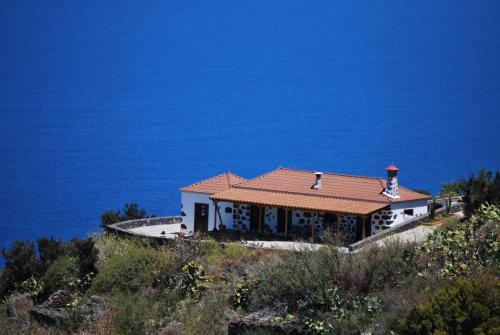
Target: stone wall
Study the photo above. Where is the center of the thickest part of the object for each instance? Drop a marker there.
(241, 216)
(348, 225)
(271, 218)
(305, 218)
(382, 220)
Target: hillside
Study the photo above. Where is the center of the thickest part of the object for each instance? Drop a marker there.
(205, 287)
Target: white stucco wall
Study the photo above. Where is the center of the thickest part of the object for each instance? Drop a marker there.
(385, 219)
(188, 199)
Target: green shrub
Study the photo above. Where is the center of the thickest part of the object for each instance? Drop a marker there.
(480, 188)
(300, 276)
(131, 271)
(462, 249)
(86, 253)
(193, 280)
(61, 275)
(110, 217)
(131, 314)
(469, 306)
(49, 249)
(209, 316)
(131, 211)
(241, 295)
(20, 265)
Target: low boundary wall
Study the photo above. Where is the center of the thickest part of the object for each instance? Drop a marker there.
(125, 226)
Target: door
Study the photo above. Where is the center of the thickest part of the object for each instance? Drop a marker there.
(200, 217)
(255, 218)
(283, 220)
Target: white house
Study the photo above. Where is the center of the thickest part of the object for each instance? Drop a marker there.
(297, 202)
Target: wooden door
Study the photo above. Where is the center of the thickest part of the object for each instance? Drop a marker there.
(200, 217)
(254, 218)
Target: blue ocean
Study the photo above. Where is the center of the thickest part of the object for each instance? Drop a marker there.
(107, 102)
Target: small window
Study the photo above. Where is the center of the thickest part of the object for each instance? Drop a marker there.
(228, 210)
(408, 212)
(182, 213)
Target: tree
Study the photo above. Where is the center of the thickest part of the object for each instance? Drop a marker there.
(450, 190)
(432, 209)
(110, 217)
(86, 252)
(131, 211)
(20, 265)
(49, 249)
(480, 188)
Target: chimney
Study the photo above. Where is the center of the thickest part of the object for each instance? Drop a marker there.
(317, 184)
(391, 189)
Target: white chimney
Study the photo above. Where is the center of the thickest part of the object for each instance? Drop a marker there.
(391, 189)
(317, 184)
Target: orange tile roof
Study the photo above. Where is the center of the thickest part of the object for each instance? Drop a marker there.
(339, 192)
(215, 184)
(288, 200)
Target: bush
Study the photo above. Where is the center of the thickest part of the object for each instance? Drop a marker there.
(49, 249)
(131, 211)
(208, 316)
(110, 217)
(469, 306)
(131, 271)
(87, 253)
(480, 188)
(20, 265)
(132, 312)
(193, 280)
(63, 274)
(462, 249)
(301, 276)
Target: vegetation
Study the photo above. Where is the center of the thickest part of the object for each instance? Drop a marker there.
(480, 188)
(131, 211)
(462, 307)
(447, 284)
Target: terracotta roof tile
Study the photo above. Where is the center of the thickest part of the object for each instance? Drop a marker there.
(288, 200)
(215, 184)
(339, 192)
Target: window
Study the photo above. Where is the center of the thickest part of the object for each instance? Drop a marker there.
(408, 212)
(228, 210)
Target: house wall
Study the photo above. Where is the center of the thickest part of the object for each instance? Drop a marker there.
(388, 218)
(188, 199)
(381, 220)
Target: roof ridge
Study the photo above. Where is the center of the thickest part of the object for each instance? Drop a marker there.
(262, 175)
(331, 173)
(304, 194)
(214, 177)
